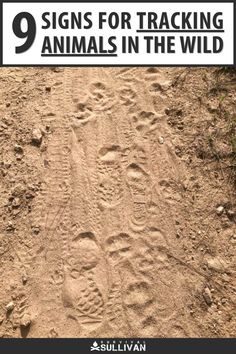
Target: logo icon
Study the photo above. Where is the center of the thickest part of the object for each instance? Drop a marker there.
(119, 345)
(95, 346)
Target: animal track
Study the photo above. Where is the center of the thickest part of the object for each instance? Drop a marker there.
(145, 121)
(138, 295)
(119, 246)
(128, 96)
(101, 97)
(106, 229)
(144, 259)
(82, 114)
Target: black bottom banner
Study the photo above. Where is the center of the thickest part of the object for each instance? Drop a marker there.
(125, 345)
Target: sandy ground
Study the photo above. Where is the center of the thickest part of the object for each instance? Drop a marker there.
(117, 218)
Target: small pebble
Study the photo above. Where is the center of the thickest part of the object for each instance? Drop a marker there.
(220, 210)
(10, 306)
(161, 140)
(16, 202)
(25, 320)
(207, 296)
(217, 264)
(37, 136)
(24, 279)
(10, 226)
(230, 213)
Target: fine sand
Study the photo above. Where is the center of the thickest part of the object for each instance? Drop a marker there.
(117, 215)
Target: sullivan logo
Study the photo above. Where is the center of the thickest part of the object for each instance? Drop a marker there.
(119, 346)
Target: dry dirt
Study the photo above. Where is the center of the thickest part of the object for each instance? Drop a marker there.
(117, 203)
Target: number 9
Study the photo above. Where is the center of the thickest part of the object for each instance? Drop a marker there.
(29, 33)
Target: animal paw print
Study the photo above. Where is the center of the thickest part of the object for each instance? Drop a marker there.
(138, 295)
(145, 121)
(127, 96)
(82, 114)
(101, 97)
(118, 247)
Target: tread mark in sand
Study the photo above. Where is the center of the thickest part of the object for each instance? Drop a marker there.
(109, 172)
(138, 181)
(81, 293)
